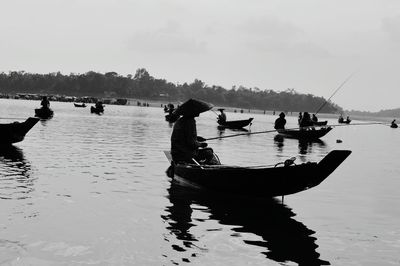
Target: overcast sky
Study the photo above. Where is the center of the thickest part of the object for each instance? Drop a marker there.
(309, 45)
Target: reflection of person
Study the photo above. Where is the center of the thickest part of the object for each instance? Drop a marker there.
(185, 143)
(280, 122)
(222, 116)
(45, 102)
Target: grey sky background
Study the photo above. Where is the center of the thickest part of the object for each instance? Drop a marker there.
(309, 45)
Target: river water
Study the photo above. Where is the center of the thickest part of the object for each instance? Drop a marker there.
(83, 189)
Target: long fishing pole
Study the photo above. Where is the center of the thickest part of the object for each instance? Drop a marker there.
(341, 85)
(295, 128)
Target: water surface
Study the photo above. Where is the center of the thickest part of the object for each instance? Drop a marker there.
(83, 189)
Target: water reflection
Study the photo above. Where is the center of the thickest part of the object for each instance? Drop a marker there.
(284, 238)
(15, 171)
(306, 146)
(279, 142)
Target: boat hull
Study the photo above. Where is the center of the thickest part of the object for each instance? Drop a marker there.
(44, 113)
(305, 134)
(260, 181)
(96, 110)
(235, 124)
(15, 132)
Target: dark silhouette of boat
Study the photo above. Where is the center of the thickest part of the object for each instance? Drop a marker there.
(320, 123)
(305, 133)
(96, 110)
(264, 181)
(235, 124)
(16, 131)
(79, 105)
(44, 113)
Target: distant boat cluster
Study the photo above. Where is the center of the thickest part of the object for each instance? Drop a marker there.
(64, 98)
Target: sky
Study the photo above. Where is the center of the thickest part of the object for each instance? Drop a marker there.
(312, 46)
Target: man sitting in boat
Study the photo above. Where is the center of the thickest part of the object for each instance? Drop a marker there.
(280, 122)
(99, 106)
(221, 116)
(394, 125)
(314, 118)
(306, 120)
(45, 102)
(185, 144)
(341, 120)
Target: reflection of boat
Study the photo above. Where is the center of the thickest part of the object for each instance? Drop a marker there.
(17, 171)
(79, 105)
(235, 124)
(281, 237)
(305, 145)
(305, 133)
(15, 132)
(96, 110)
(44, 113)
(262, 181)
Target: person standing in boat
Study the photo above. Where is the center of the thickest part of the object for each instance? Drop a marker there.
(280, 122)
(45, 103)
(221, 116)
(186, 146)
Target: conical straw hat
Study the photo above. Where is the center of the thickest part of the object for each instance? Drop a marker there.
(193, 107)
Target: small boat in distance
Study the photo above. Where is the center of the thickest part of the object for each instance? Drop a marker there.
(16, 131)
(79, 105)
(305, 133)
(235, 124)
(259, 181)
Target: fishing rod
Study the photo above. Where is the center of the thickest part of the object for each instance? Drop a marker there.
(341, 85)
(295, 128)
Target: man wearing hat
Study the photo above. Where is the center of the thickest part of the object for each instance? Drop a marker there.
(185, 143)
(280, 122)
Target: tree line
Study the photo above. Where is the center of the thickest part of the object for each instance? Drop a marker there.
(144, 86)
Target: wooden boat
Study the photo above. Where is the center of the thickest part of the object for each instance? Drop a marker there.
(44, 113)
(342, 121)
(235, 124)
(320, 123)
(264, 181)
(79, 105)
(305, 133)
(96, 110)
(15, 132)
(393, 125)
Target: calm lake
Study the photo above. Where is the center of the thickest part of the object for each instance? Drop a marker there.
(83, 189)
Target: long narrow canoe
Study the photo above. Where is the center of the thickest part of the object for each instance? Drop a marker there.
(305, 134)
(15, 132)
(265, 181)
(235, 124)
